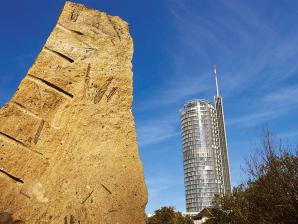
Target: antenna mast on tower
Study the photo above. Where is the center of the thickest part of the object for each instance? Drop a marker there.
(216, 82)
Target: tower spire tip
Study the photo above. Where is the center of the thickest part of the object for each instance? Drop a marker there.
(216, 82)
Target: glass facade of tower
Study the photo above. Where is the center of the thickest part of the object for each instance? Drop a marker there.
(204, 169)
(222, 146)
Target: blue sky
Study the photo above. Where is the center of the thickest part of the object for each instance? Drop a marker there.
(254, 44)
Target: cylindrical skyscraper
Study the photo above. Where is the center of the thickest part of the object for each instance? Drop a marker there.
(205, 153)
(198, 119)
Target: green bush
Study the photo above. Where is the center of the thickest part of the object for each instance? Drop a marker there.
(168, 215)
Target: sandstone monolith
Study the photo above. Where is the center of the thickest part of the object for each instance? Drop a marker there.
(68, 151)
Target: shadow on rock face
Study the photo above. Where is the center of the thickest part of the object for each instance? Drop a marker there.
(6, 218)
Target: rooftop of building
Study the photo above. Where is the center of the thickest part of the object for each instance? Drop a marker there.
(195, 102)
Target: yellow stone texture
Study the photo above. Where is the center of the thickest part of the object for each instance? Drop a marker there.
(68, 151)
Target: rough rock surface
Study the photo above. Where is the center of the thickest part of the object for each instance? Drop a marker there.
(68, 151)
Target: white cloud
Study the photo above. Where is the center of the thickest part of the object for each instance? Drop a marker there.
(152, 134)
(289, 134)
(253, 119)
(158, 184)
(175, 89)
(256, 56)
(158, 129)
(285, 96)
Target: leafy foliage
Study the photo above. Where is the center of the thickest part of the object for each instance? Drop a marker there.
(270, 194)
(168, 215)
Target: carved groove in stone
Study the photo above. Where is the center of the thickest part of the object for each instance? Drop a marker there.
(113, 91)
(86, 84)
(74, 15)
(114, 27)
(24, 194)
(12, 139)
(69, 30)
(88, 196)
(50, 85)
(59, 54)
(107, 189)
(39, 131)
(24, 109)
(101, 91)
(10, 176)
